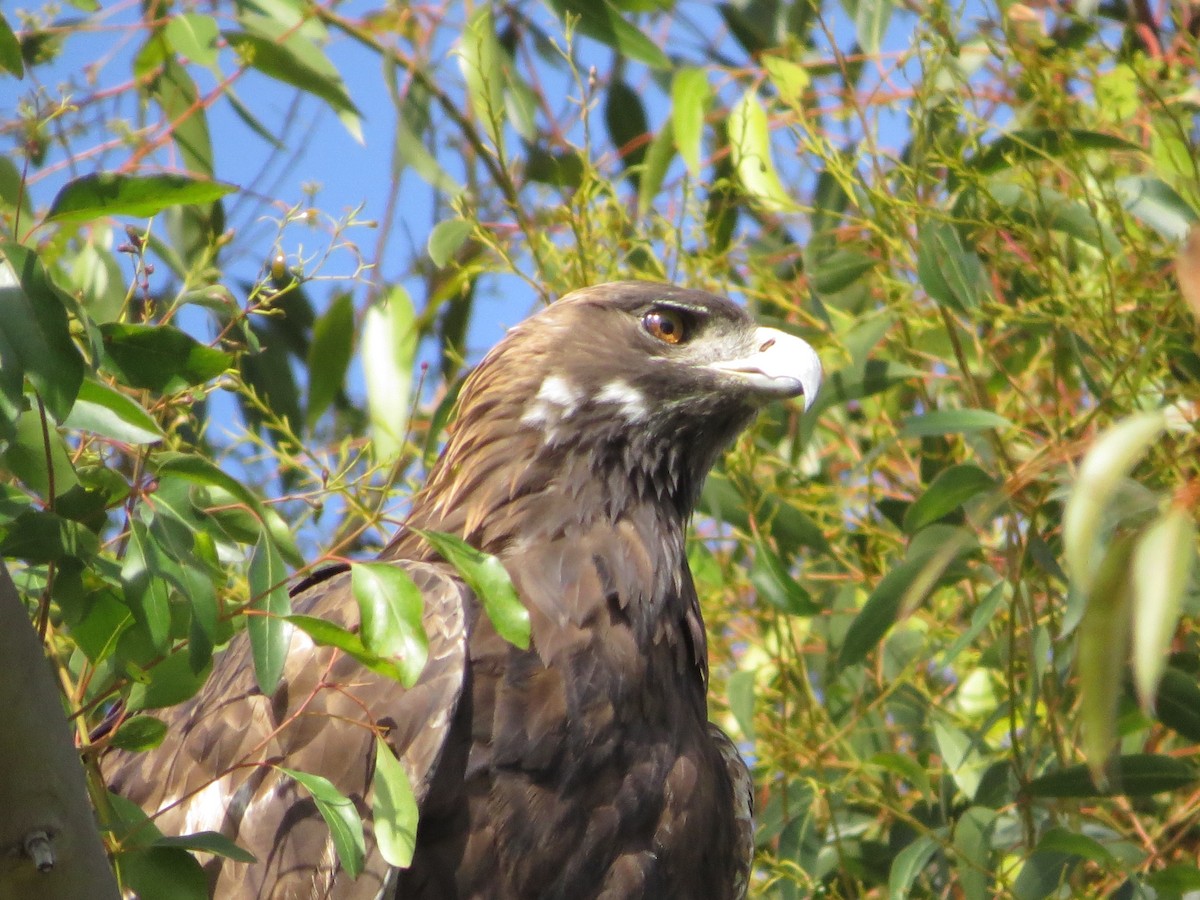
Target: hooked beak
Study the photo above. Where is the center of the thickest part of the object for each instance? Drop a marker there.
(781, 366)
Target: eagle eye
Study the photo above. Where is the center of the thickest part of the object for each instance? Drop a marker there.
(665, 324)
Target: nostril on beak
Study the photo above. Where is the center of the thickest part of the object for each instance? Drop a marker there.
(767, 346)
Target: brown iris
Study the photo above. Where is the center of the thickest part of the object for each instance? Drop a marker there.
(665, 324)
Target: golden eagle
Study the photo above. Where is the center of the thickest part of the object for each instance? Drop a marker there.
(582, 767)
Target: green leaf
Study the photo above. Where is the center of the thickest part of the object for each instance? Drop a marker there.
(176, 93)
(194, 36)
(10, 50)
(208, 842)
(1044, 874)
(168, 683)
(1135, 775)
(870, 23)
(199, 470)
(654, 168)
(293, 59)
(973, 851)
(107, 412)
(775, 584)
(1162, 563)
(394, 808)
(35, 333)
(25, 457)
(1109, 461)
(602, 21)
(879, 612)
(906, 767)
(446, 238)
(390, 607)
(345, 824)
(146, 590)
(1103, 643)
(839, 270)
(329, 355)
(161, 872)
(328, 634)
(141, 196)
(909, 862)
(488, 578)
(1157, 204)
(1178, 703)
(160, 358)
(790, 79)
(950, 274)
(270, 632)
(741, 690)
(480, 58)
(139, 733)
(389, 346)
(40, 536)
(952, 487)
(690, 96)
(952, 421)
(750, 147)
(628, 128)
(961, 755)
(1026, 145)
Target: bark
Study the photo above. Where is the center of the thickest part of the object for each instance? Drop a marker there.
(50, 847)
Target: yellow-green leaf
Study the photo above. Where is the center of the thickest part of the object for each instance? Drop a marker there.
(750, 146)
(1162, 561)
(141, 196)
(394, 808)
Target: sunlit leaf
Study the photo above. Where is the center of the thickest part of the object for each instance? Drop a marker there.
(107, 412)
(1162, 561)
(140, 196)
(390, 607)
(194, 36)
(345, 824)
(952, 487)
(1103, 643)
(1110, 459)
(270, 632)
(480, 58)
(952, 421)
(293, 59)
(488, 578)
(870, 22)
(159, 357)
(394, 808)
(389, 344)
(446, 238)
(750, 146)
(329, 634)
(690, 96)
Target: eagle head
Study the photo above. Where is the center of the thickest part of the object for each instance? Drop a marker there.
(614, 395)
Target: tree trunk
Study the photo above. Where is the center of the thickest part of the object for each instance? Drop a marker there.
(50, 847)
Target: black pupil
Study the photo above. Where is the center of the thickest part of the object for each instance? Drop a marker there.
(665, 325)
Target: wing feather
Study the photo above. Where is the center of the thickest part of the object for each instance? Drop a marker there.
(217, 769)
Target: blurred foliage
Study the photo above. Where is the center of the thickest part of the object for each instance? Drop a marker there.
(922, 595)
